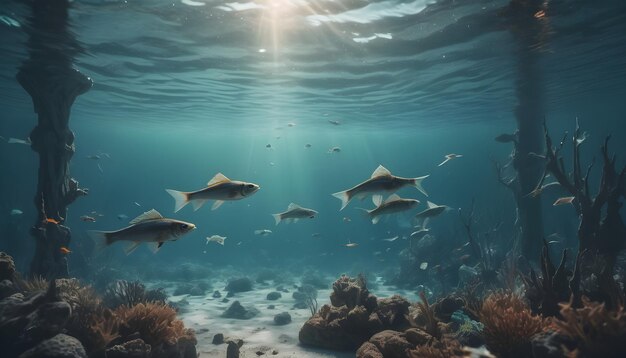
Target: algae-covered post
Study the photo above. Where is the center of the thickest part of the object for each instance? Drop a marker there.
(528, 27)
(53, 84)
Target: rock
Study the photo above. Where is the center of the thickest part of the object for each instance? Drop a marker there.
(393, 312)
(329, 329)
(237, 311)
(225, 300)
(59, 346)
(282, 289)
(232, 351)
(7, 267)
(237, 341)
(270, 307)
(282, 318)
(274, 352)
(368, 350)
(135, 348)
(217, 294)
(392, 344)
(299, 296)
(218, 338)
(300, 305)
(273, 296)
(242, 284)
(417, 337)
(6, 288)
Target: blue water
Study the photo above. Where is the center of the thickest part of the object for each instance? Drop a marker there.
(184, 90)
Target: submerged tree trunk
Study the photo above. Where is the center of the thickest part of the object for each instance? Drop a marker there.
(53, 84)
(529, 31)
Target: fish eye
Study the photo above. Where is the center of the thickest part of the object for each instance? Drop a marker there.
(184, 226)
(250, 186)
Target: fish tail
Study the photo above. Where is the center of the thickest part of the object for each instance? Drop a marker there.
(344, 196)
(258, 232)
(180, 198)
(417, 182)
(278, 218)
(101, 238)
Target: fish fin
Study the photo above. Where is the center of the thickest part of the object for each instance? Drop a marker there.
(425, 223)
(278, 218)
(444, 162)
(293, 206)
(392, 197)
(197, 204)
(101, 238)
(375, 220)
(431, 205)
(217, 204)
(380, 172)
(131, 246)
(218, 178)
(288, 220)
(148, 215)
(344, 197)
(180, 198)
(258, 232)
(155, 246)
(417, 182)
(377, 200)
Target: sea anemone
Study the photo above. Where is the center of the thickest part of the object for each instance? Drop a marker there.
(509, 325)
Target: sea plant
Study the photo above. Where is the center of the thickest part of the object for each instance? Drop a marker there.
(509, 325)
(123, 292)
(445, 348)
(426, 317)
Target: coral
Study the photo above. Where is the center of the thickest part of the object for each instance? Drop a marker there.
(7, 267)
(124, 293)
(446, 348)
(135, 348)
(509, 325)
(596, 330)
(156, 323)
(58, 346)
(352, 292)
(426, 317)
(33, 284)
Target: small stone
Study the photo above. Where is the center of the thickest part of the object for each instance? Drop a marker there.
(273, 296)
(225, 300)
(282, 318)
(270, 307)
(217, 294)
(230, 294)
(218, 338)
(274, 352)
(259, 353)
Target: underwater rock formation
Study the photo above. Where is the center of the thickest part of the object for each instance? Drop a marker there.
(59, 346)
(237, 311)
(353, 316)
(242, 284)
(282, 318)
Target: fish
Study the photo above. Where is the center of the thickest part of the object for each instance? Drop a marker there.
(381, 181)
(351, 244)
(419, 233)
(334, 150)
(15, 212)
(19, 141)
(537, 191)
(263, 232)
(64, 250)
(51, 221)
(392, 239)
(449, 157)
(122, 217)
(553, 242)
(87, 218)
(433, 210)
(506, 138)
(219, 188)
(150, 227)
(307, 145)
(137, 204)
(269, 146)
(564, 200)
(346, 219)
(216, 238)
(316, 235)
(95, 213)
(393, 205)
(291, 124)
(332, 121)
(423, 266)
(93, 157)
(294, 213)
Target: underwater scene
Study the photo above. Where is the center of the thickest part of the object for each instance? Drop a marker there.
(312, 178)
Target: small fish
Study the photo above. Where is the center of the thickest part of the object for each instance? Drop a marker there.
(419, 233)
(216, 238)
(392, 239)
(564, 200)
(52, 221)
(465, 258)
(122, 217)
(294, 213)
(272, 164)
(316, 235)
(423, 266)
(220, 188)
(263, 232)
(346, 219)
(506, 138)
(449, 157)
(332, 121)
(87, 218)
(15, 212)
(393, 205)
(307, 145)
(535, 193)
(334, 150)
(553, 242)
(351, 244)
(291, 124)
(268, 146)
(137, 204)
(19, 141)
(64, 250)
(93, 157)
(554, 236)
(95, 213)
(239, 243)
(381, 181)
(582, 138)
(432, 211)
(150, 227)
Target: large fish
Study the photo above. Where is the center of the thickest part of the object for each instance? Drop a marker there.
(149, 227)
(381, 181)
(220, 188)
(394, 204)
(432, 211)
(294, 213)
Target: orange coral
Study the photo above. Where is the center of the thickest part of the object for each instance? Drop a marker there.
(156, 323)
(445, 348)
(509, 325)
(597, 331)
